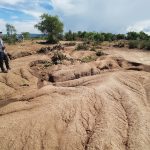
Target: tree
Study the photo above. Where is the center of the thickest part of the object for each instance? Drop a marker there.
(11, 34)
(108, 36)
(52, 26)
(143, 36)
(98, 37)
(26, 35)
(10, 29)
(120, 36)
(69, 36)
(132, 35)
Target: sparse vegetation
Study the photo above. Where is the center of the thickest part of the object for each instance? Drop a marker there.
(88, 59)
(58, 57)
(70, 44)
(100, 53)
(139, 44)
(82, 46)
(47, 64)
(119, 44)
(70, 36)
(44, 50)
(93, 48)
(133, 44)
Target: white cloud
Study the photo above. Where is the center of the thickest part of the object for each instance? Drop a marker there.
(140, 26)
(31, 8)
(25, 26)
(69, 7)
(14, 17)
(2, 25)
(91, 15)
(33, 13)
(11, 2)
(101, 15)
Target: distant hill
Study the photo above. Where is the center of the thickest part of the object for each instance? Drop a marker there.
(33, 35)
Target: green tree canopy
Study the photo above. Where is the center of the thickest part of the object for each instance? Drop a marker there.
(26, 35)
(132, 35)
(10, 29)
(11, 34)
(52, 26)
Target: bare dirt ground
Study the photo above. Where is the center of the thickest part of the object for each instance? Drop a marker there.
(103, 104)
(135, 55)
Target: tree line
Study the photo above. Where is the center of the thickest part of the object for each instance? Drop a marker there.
(52, 26)
(100, 37)
(53, 29)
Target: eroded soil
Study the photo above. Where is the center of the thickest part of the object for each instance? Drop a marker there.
(100, 105)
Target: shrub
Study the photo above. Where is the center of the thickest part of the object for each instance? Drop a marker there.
(139, 44)
(58, 57)
(100, 53)
(121, 44)
(147, 45)
(133, 44)
(47, 64)
(82, 46)
(70, 44)
(88, 59)
(44, 50)
(42, 63)
(10, 39)
(93, 49)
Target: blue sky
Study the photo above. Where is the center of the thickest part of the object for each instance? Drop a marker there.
(117, 16)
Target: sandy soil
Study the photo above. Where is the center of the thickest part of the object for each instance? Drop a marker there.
(99, 105)
(135, 55)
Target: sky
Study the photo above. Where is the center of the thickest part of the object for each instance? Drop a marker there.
(116, 16)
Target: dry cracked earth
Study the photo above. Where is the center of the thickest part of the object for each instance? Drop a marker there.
(99, 105)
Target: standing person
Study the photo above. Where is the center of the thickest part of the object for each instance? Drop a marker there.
(22, 37)
(3, 56)
(17, 38)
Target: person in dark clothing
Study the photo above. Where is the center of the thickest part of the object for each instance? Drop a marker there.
(1, 61)
(6, 60)
(3, 56)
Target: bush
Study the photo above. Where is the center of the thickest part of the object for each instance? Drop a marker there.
(58, 57)
(70, 44)
(133, 44)
(47, 64)
(82, 46)
(11, 40)
(100, 53)
(93, 49)
(26, 35)
(121, 44)
(88, 59)
(139, 44)
(44, 50)
(147, 45)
